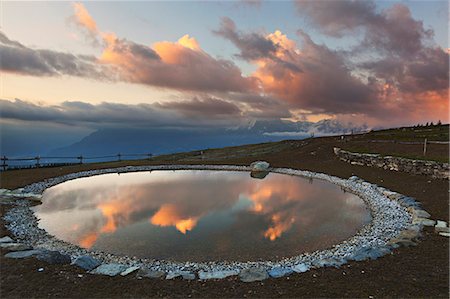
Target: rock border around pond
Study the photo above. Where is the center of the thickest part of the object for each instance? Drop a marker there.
(397, 220)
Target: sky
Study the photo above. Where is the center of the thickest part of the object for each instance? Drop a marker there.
(154, 64)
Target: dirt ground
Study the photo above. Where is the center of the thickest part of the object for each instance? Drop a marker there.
(420, 271)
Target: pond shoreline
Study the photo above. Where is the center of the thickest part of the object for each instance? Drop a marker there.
(390, 217)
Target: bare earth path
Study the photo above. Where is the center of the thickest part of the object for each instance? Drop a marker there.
(421, 271)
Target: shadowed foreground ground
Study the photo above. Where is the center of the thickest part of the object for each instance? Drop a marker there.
(420, 271)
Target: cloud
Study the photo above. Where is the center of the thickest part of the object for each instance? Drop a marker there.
(17, 58)
(324, 84)
(195, 112)
(250, 3)
(251, 45)
(404, 68)
(181, 65)
(203, 107)
(336, 18)
(83, 19)
(392, 74)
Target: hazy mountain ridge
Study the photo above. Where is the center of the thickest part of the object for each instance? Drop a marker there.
(170, 140)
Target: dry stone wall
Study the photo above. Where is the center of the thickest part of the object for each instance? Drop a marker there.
(421, 167)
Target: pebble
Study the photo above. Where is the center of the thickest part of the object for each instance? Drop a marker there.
(388, 210)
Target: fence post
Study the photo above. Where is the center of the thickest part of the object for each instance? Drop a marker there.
(38, 159)
(4, 165)
(425, 147)
(81, 159)
(119, 157)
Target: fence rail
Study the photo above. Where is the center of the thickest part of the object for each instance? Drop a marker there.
(42, 161)
(407, 142)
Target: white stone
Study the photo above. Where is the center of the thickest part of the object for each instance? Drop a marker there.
(129, 270)
(185, 274)
(421, 213)
(424, 221)
(109, 269)
(6, 239)
(5, 191)
(300, 268)
(15, 246)
(217, 274)
(22, 254)
(441, 226)
(444, 234)
(253, 274)
(441, 223)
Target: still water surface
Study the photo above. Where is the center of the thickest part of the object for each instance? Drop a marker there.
(200, 215)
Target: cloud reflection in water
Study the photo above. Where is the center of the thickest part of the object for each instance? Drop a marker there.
(226, 211)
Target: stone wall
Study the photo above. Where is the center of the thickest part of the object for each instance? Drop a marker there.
(421, 167)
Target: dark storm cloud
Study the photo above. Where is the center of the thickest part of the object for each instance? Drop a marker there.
(251, 45)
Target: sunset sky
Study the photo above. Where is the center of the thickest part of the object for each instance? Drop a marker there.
(223, 63)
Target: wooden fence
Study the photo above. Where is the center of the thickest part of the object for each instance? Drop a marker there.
(43, 161)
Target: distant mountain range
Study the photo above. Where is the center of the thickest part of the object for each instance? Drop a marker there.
(170, 140)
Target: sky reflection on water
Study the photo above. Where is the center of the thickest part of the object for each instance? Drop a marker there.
(201, 215)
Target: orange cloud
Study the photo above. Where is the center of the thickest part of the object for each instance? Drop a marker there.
(281, 223)
(83, 18)
(266, 200)
(179, 65)
(89, 240)
(189, 42)
(169, 215)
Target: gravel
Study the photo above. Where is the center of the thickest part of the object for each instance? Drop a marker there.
(392, 213)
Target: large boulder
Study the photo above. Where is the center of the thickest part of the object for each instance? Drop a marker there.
(259, 174)
(260, 166)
